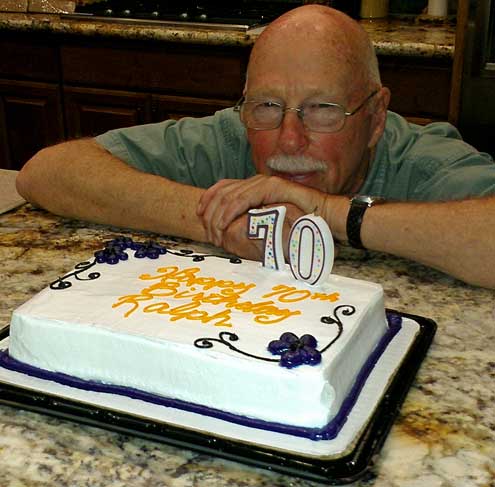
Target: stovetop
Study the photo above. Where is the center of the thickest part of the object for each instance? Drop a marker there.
(228, 13)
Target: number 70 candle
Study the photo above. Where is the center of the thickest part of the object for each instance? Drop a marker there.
(311, 247)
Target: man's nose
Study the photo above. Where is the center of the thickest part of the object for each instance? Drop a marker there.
(293, 136)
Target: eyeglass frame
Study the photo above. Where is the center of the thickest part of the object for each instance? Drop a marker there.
(300, 112)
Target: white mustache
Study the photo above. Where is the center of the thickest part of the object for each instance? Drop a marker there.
(295, 164)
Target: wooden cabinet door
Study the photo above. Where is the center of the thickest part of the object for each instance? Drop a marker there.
(30, 119)
(420, 87)
(166, 107)
(92, 111)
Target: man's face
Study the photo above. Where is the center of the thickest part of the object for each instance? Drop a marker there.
(293, 77)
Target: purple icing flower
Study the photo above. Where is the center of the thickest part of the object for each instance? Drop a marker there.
(149, 249)
(110, 255)
(121, 241)
(295, 351)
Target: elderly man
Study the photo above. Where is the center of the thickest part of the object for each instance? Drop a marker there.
(313, 124)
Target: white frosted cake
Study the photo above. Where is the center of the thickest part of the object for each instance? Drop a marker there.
(221, 337)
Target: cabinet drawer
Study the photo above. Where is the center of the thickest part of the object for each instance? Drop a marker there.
(172, 68)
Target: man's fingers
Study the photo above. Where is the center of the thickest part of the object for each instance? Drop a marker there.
(253, 193)
(227, 200)
(228, 196)
(210, 193)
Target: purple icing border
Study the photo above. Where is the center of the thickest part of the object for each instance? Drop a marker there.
(328, 432)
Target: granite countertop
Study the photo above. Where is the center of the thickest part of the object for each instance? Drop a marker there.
(443, 437)
(391, 37)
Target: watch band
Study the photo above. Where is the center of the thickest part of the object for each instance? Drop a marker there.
(353, 224)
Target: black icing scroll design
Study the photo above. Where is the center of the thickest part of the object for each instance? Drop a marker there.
(201, 257)
(225, 338)
(64, 283)
(344, 310)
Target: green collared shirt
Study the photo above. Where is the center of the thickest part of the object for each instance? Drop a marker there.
(412, 162)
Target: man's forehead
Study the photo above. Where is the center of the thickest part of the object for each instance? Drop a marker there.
(299, 77)
(302, 93)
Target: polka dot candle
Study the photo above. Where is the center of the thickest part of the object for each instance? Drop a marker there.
(267, 224)
(311, 249)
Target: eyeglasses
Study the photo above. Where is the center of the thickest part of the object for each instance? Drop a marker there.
(316, 116)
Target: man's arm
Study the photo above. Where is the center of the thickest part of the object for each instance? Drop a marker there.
(80, 179)
(456, 237)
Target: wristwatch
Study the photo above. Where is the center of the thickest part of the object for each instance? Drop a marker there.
(359, 204)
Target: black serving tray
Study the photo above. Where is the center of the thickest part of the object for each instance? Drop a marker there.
(345, 469)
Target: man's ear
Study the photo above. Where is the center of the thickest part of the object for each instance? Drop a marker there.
(379, 116)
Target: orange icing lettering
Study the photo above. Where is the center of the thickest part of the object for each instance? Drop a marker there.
(185, 284)
(290, 294)
(326, 297)
(133, 299)
(188, 312)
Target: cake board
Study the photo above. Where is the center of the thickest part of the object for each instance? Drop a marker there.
(350, 464)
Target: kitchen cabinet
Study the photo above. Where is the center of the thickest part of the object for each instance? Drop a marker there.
(30, 111)
(135, 83)
(474, 64)
(166, 107)
(58, 87)
(203, 71)
(92, 111)
(420, 87)
(30, 118)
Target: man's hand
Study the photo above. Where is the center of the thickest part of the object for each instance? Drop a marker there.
(228, 199)
(236, 241)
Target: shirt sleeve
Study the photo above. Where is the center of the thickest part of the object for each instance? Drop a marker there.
(428, 163)
(194, 151)
(471, 175)
(449, 167)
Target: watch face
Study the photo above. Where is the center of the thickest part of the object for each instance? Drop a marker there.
(367, 200)
(361, 198)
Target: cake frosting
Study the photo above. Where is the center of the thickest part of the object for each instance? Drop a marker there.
(219, 336)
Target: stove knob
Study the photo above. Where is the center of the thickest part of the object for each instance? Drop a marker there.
(203, 17)
(126, 13)
(155, 14)
(108, 12)
(184, 16)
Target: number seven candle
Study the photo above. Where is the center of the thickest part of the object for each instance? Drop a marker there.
(267, 224)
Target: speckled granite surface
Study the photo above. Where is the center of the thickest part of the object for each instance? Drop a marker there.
(444, 436)
(391, 37)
